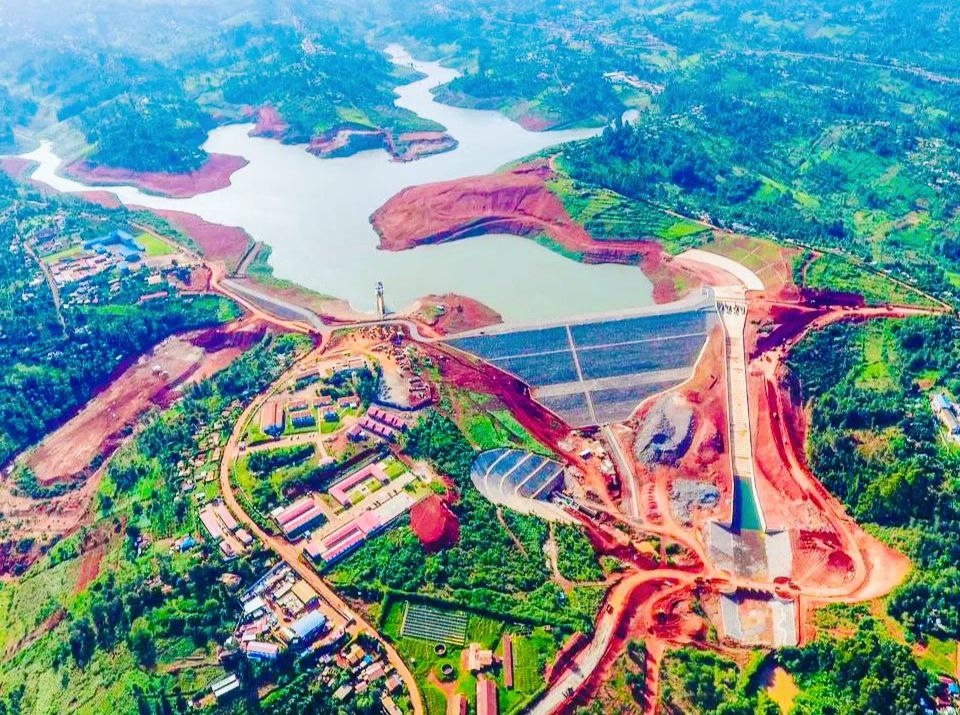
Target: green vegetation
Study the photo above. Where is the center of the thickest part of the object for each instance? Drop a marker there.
(154, 246)
(488, 426)
(831, 272)
(609, 216)
(704, 683)
(267, 460)
(52, 369)
(576, 559)
(533, 649)
(486, 568)
(876, 444)
(113, 644)
(144, 96)
(866, 673)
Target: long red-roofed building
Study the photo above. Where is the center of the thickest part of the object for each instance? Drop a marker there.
(486, 697)
(508, 662)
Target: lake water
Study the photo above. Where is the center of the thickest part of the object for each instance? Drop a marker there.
(314, 213)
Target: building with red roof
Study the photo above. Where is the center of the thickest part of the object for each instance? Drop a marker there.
(486, 697)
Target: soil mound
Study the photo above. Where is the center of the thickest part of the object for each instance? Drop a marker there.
(450, 313)
(434, 524)
(666, 431)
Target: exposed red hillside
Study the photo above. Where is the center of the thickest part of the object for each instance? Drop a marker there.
(269, 123)
(214, 174)
(215, 241)
(434, 524)
(16, 167)
(516, 202)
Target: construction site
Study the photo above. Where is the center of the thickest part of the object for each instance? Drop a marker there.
(705, 453)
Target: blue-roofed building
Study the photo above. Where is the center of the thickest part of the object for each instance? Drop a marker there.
(119, 242)
(307, 626)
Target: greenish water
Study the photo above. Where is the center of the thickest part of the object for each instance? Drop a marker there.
(746, 511)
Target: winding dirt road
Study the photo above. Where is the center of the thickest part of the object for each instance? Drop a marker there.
(291, 553)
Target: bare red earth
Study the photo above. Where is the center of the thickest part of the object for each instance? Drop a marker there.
(516, 202)
(456, 315)
(434, 524)
(15, 167)
(226, 244)
(214, 174)
(269, 123)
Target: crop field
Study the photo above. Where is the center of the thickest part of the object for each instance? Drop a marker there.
(533, 649)
(432, 624)
(609, 216)
(153, 245)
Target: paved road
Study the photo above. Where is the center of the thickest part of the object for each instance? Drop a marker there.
(625, 468)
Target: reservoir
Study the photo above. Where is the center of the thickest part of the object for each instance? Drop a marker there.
(314, 214)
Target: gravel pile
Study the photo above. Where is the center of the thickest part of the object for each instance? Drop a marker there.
(686, 495)
(666, 431)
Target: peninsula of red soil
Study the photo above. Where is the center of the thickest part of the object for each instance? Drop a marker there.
(450, 313)
(269, 123)
(517, 202)
(407, 146)
(226, 244)
(214, 174)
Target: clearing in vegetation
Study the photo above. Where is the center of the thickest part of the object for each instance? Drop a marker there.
(432, 624)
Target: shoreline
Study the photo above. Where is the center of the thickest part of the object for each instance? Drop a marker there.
(516, 202)
(215, 173)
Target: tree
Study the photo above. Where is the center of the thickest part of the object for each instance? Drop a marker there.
(82, 641)
(142, 643)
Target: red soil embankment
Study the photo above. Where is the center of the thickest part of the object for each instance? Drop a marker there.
(269, 123)
(214, 174)
(517, 202)
(450, 313)
(226, 244)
